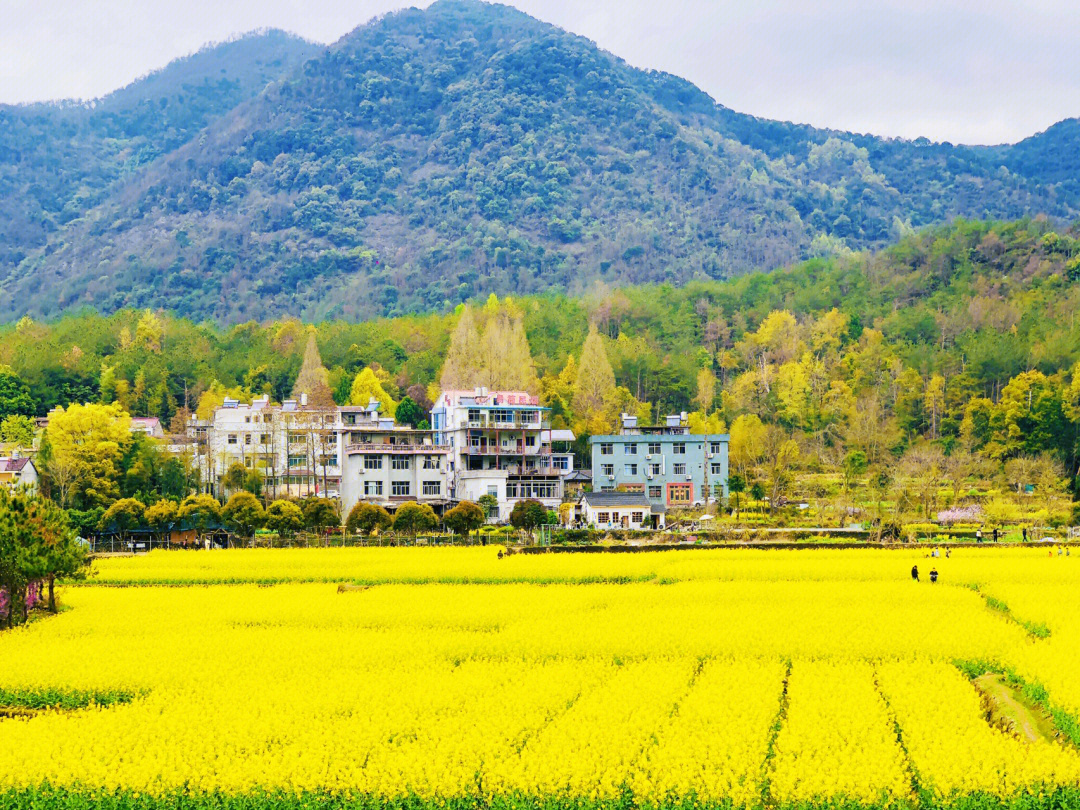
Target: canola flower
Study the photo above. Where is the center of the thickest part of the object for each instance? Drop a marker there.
(576, 678)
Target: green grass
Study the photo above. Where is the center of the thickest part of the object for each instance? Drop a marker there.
(63, 699)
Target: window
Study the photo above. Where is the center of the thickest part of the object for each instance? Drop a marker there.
(493, 492)
(232, 438)
(714, 447)
(630, 449)
(654, 469)
(373, 488)
(432, 488)
(716, 469)
(607, 449)
(297, 461)
(607, 489)
(633, 487)
(656, 492)
(631, 469)
(267, 419)
(654, 448)
(679, 493)
(349, 418)
(603, 517)
(530, 441)
(679, 469)
(247, 419)
(637, 517)
(400, 463)
(399, 489)
(474, 415)
(608, 469)
(431, 462)
(296, 438)
(372, 462)
(561, 462)
(264, 438)
(247, 438)
(679, 448)
(247, 462)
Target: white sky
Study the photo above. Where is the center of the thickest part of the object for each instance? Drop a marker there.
(966, 71)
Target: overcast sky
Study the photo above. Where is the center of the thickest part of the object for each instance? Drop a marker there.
(966, 71)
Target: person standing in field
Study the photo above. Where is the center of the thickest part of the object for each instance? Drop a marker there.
(915, 572)
(978, 535)
(933, 575)
(995, 534)
(1024, 532)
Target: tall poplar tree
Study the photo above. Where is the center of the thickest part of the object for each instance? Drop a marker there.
(595, 382)
(461, 370)
(313, 379)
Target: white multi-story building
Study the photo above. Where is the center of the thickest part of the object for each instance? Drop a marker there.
(294, 447)
(499, 444)
(389, 464)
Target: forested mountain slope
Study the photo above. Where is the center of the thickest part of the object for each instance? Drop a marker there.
(433, 156)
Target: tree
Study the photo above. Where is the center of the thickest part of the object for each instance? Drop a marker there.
(365, 518)
(413, 518)
(17, 430)
(490, 504)
(461, 370)
(736, 486)
(234, 477)
(319, 513)
(243, 513)
(86, 442)
(528, 514)
(62, 552)
(200, 510)
(284, 517)
(161, 515)
(124, 515)
(253, 482)
(367, 387)
(408, 412)
(595, 383)
(464, 518)
(15, 396)
(313, 379)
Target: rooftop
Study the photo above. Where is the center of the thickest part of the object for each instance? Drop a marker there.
(609, 499)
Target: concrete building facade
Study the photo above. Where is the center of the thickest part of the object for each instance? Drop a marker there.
(499, 444)
(669, 465)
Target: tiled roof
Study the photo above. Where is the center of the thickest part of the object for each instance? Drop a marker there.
(596, 499)
(13, 464)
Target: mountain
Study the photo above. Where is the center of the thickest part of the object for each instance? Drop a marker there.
(433, 156)
(58, 160)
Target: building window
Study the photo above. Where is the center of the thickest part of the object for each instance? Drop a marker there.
(716, 469)
(400, 463)
(530, 441)
(474, 415)
(654, 469)
(607, 489)
(679, 469)
(603, 517)
(608, 469)
(247, 438)
(633, 488)
(296, 438)
(679, 448)
(714, 447)
(373, 488)
(399, 489)
(232, 438)
(679, 493)
(431, 462)
(654, 448)
(247, 462)
(656, 492)
(630, 449)
(637, 517)
(372, 462)
(432, 488)
(631, 469)
(560, 462)
(607, 449)
(264, 438)
(297, 461)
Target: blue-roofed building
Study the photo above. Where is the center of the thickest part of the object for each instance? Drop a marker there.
(670, 465)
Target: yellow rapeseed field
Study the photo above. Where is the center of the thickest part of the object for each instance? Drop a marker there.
(751, 678)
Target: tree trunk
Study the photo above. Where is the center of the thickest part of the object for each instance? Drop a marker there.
(52, 593)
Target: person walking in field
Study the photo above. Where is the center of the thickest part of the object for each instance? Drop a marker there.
(933, 575)
(978, 535)
(915, 572)
(948, 552)
(1025, 533)
(995, 534)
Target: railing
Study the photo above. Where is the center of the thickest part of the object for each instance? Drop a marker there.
(353, 449)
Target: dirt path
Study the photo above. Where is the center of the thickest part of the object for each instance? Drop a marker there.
(1010, 710)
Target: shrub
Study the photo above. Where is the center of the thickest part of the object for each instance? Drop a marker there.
(365, 518)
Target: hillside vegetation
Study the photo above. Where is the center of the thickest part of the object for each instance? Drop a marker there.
(435, 156)
(956, 347)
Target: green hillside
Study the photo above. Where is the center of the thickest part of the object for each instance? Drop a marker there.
(433, 156)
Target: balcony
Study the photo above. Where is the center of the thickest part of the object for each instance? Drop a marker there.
(396, 449)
